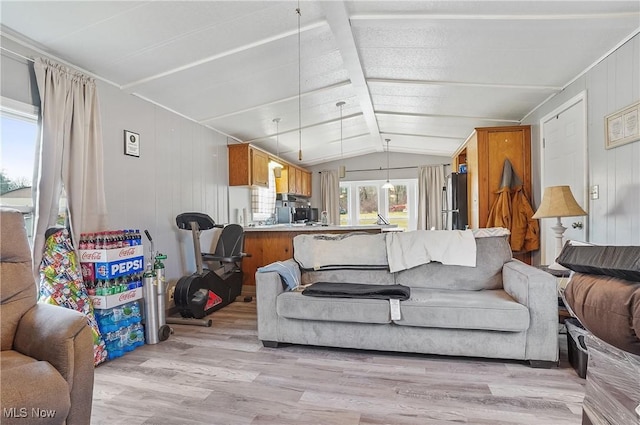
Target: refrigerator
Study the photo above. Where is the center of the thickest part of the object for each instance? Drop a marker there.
(454, 201)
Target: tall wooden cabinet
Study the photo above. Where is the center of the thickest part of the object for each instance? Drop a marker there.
(485, 153)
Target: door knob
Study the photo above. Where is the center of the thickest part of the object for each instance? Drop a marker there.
(577, 225)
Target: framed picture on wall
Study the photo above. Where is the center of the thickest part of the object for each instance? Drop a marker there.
(131, 143)
(622, 126)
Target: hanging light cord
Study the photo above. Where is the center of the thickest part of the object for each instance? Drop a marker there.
(277, 121)
(341, 151)
(299, 91)
(388, 140)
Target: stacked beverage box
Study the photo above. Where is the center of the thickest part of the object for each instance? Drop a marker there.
(112, 265)
(121, 328)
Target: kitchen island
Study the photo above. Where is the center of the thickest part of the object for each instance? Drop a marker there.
(268, 244)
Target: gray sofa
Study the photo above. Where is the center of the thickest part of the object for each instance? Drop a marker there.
(501, 308)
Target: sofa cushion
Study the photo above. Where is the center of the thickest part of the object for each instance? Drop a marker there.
(31, 384)
(491, 254)
(294, 305)
(608, 307)
(617, 261)
(486, 310)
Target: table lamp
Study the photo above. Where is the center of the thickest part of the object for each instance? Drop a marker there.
(558, 201)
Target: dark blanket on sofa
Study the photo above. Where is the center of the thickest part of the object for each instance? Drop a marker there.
(357, 290)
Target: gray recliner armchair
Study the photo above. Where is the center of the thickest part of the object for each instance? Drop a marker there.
(46, 357)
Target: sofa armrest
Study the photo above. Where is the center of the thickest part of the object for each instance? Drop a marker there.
(63, 338)
(268, 286)
(536, 290)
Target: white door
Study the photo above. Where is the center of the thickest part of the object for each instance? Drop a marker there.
(564, 156)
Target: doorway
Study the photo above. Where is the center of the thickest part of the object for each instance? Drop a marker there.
(564, 162)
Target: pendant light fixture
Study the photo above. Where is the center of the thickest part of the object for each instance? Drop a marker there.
(299, 92)
(277, 169)
(342, 171)
(388, 185)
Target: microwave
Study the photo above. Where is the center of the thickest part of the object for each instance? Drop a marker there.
(306, 214)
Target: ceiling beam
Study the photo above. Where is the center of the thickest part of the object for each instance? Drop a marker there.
(427, 136)
(275, 102)
(129, 87)
(317, 124)
(338, 19)
(490, 17)
(413, 114)
(463, 84)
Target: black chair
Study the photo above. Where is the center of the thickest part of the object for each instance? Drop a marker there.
(228, 253)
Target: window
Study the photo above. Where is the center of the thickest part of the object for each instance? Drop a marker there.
(361, 202)
(263, 199)
(19, 124)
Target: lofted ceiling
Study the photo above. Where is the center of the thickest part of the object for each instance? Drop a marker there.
(423, 74)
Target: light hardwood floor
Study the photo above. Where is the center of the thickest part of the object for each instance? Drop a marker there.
(223, 375)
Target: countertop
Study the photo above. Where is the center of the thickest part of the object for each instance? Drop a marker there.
(316, 228)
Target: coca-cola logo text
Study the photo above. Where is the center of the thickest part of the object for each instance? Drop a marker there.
(129, 295)
(127, 252)
(97, 302)
(91, 255)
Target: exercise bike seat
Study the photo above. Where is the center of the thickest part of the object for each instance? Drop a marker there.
(229, 246)
(184, 220)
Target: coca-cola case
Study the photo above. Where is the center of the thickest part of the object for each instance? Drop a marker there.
(109, 301)
(109, 255)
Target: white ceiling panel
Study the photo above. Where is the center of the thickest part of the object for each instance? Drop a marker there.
(506, 103)
(544, 52)
(422, 73)
(249, 78)
(485, 8)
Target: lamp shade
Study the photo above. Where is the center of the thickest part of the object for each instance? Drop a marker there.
(558, 201)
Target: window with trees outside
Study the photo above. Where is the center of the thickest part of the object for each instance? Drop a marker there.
(19, 124)
(361, 202)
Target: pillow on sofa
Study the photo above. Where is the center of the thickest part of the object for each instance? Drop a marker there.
(356, 250)
(608, 307)
(491, 254)
(617, 261)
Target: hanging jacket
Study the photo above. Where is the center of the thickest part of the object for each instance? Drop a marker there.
(500, 213)
(525, 232)
(512, 210)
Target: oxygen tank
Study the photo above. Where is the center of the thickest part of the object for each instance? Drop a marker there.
(158, 269)
(150, 293)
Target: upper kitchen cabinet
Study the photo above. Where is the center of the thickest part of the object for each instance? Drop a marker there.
(248, 166)
(294, 181)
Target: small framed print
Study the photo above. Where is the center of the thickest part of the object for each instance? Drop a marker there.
(131, 143)
(622, 126)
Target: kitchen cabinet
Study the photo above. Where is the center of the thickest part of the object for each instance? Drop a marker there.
(298, 181)
(294, 181)
(248, 166)
(484, 154)
(260, 168)
(306, 184)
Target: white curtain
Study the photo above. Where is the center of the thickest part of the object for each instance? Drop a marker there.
(69, 154)
(430, 183)
(330, 195)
